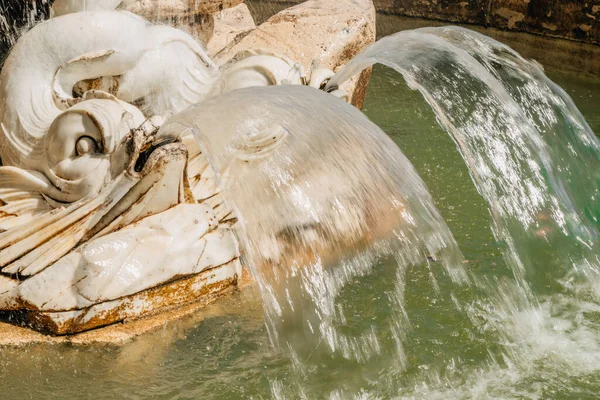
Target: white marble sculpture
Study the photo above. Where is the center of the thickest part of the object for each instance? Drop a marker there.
(102, 219)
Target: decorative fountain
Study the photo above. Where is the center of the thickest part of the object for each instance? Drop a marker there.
(144, 175)
(105, 217)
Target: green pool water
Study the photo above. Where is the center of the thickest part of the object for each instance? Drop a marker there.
(223, 352)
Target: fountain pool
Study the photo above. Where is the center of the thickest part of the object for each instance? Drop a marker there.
(447, 354)
(512, 168)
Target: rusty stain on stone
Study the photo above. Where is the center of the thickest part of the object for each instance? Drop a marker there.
(156, 300)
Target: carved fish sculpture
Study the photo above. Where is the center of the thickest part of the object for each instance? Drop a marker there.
(94, 207)
(102, 216)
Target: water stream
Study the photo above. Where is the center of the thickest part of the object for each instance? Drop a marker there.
(323, 197)
(534, 159)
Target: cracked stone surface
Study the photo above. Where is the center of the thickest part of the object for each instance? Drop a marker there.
(116, 334)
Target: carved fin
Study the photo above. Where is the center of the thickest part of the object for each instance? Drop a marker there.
(131, 207)
(16, 179)
(20, 201)
(49, 252)
(30, 240)
(8, 293)
(261, 68)
(174, 75)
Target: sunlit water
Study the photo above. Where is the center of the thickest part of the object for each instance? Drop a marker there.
(526, 326)
(225, 351)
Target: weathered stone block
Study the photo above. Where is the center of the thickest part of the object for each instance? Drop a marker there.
(146, 303)
(214, 22)
(329, 32)
(227, 25)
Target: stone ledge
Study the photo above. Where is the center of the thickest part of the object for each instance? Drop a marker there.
(577, 21)
(154, 301)
(12, 335)
(552, 53)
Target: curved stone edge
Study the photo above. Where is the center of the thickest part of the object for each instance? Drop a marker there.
(159, 305)
(117, 334)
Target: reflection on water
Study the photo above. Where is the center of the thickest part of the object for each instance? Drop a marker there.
(222, 352)
(387, 327)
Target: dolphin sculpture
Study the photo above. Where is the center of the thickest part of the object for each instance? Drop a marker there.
(103, 216)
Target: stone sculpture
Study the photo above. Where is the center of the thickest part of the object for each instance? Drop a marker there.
(101, 218)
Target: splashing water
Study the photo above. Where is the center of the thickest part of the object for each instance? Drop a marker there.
(531, 155)
(535, 160)
(322, 195)
(16, 18)
(521, 136)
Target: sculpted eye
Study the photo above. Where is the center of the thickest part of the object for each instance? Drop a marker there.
(85, 145)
